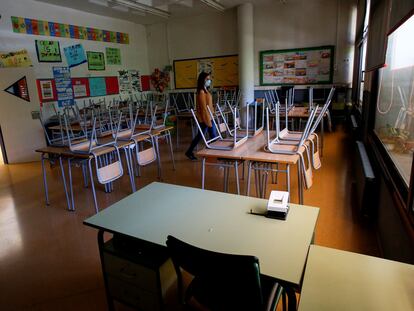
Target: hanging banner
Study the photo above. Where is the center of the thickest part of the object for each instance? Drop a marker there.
(48, 51)
(97, 86)
(46, 28)
(46, 90)
(63, 84)
(19, 89)
(80, 87)
(15, 59)
(75, 55)
(113, 56)
(96, 60)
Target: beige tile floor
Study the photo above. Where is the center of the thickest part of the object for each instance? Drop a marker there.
(50, 261)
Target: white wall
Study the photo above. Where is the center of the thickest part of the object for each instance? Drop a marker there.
(296, 24)
(133, 55)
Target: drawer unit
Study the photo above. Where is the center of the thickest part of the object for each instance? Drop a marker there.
(136, 273)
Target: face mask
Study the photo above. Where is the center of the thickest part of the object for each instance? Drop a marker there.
(207, 83)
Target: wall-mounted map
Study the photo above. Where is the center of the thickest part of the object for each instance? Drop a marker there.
(298, 66)
(224, 71)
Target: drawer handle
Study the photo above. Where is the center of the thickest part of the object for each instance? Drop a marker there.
(127, 275)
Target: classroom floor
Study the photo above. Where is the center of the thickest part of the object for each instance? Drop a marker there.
(49, 260)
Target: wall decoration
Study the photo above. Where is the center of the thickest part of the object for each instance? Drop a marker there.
(145, 83)
(19, 89)
(124, 85)
(15, 59)
(135, 80)
(160, 79)
(96, 60)
(112, 86)
(97, 86)
(113, 56)
(129, 81)
(46, 89)
(223, 69)
(80, 87)
(46, 28)
(48, 51)
(63, 84)
(297, 66)
(75, 55)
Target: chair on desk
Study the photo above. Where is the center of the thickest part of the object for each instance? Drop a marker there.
(222, 281)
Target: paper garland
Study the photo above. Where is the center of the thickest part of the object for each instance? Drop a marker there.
(46, 28)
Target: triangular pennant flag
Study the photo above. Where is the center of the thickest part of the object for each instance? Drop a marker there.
(19, 89)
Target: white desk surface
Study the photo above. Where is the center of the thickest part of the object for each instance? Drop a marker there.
(339, 280)
(216, 221)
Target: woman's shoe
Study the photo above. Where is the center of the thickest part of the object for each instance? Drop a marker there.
(191, 156)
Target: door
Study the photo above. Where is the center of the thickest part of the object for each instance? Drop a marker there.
(21, 135)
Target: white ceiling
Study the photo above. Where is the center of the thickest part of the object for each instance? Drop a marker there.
(177, 8)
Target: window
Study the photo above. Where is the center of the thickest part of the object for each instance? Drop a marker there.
(394, 121)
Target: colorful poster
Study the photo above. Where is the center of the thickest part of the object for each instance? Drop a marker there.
(96, 60)
(46, 90)
(80, 87)
(112, 86)
(19, 89)
(97, 86)
(113, 56)
(15, 59)
(75, 55)
(48, 51)
(63, 84)
(298, 66)
(123, 77)
(45, 28)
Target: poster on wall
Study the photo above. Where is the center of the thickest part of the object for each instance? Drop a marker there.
(97, 86)
(75, 55)
(123, 78)
(298, 66)
(80, 87)
(48, 51)
(63, 84)
(46, 28)
(96, 60)
(113, 56)
(15, 59)
(112, 86)
(145, 83)
(19, 89)
(46, 90)
(135, 80)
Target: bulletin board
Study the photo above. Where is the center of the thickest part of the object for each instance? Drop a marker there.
(297, 66)
(224, 71)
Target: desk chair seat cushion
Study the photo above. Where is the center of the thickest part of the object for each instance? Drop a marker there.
(221, 281)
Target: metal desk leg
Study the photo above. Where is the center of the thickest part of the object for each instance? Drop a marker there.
(157, 149)
(322, 135)
(236, 171)
(225, 179)
(64, 183)
(169, 141)
(249, 172)
(93, 185)
(288, 179)
(203, 171)
(111, 306)
(130, 172)
(300, 180)
(71, 183)
(176, 131)
(44, 179)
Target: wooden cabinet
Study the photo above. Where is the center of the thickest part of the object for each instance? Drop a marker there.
(136, 273)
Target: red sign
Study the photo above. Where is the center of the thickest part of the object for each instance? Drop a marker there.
(112, 86)
(145, 83)
(46, 89)
(80, 87)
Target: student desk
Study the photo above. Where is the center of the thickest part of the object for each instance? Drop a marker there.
(216, 221)
(339, 280)
(253, 151)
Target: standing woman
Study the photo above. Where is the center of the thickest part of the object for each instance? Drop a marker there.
(204, 99)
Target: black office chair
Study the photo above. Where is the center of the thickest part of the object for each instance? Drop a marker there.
(223, 281)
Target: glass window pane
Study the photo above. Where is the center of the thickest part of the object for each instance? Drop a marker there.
(394, 123)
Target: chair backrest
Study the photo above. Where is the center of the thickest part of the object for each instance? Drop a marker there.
(323, 111)
(221, 281)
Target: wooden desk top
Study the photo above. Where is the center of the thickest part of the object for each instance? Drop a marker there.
(252, 149)
(339, 280)
(216, 221)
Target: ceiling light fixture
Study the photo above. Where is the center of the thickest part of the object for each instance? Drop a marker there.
(214, 5)
(142, 8)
